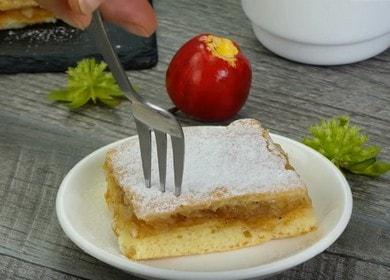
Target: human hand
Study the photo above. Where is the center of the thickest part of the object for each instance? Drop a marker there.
(136, 16)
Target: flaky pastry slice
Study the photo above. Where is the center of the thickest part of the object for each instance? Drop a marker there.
(238, 190)
(20, 13)
(6, 5)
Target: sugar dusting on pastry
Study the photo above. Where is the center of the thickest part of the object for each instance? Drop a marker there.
(233, 159)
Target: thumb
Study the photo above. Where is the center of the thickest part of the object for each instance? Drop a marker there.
(85, 7)
(74, 12)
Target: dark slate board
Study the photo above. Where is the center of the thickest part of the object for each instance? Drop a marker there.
(54, 47)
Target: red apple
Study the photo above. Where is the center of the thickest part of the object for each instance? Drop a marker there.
(209, 78)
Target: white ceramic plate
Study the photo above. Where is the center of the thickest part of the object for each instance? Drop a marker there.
(84, 218)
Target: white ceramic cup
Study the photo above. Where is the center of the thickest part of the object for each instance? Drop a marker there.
(322, 32)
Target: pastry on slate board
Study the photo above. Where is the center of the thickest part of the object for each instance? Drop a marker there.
(33, 41)
(20, 13)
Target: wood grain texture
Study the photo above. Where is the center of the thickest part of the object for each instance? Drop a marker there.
(40, 141)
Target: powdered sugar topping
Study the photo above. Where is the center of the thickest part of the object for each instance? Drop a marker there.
(228, 161)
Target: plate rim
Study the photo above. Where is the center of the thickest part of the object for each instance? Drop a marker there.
(164, 273)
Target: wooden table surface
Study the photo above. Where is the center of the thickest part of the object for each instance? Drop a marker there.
(40, 141)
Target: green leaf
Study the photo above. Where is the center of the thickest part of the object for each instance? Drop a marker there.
(110, 102)
(361, 166)
(59, 95)
(88, 81)
(79, 99)
(346, 146)
(376, 169)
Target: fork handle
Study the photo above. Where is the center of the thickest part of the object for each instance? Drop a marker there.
(103, 43)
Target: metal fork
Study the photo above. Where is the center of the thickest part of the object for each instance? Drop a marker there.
(148, 117)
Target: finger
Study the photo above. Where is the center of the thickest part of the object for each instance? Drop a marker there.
(136, 16)
(74, 12)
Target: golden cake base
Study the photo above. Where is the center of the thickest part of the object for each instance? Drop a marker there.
(212, 235)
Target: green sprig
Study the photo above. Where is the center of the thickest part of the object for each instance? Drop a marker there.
(346, 147)
(88, 81)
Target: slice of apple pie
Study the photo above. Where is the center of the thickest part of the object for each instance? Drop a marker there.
(239, 190)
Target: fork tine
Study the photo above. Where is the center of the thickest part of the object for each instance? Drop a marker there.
(144, 136)
(178, 162)
(147, 116)
(161, 142)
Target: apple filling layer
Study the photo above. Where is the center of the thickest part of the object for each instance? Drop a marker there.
(265, 210)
